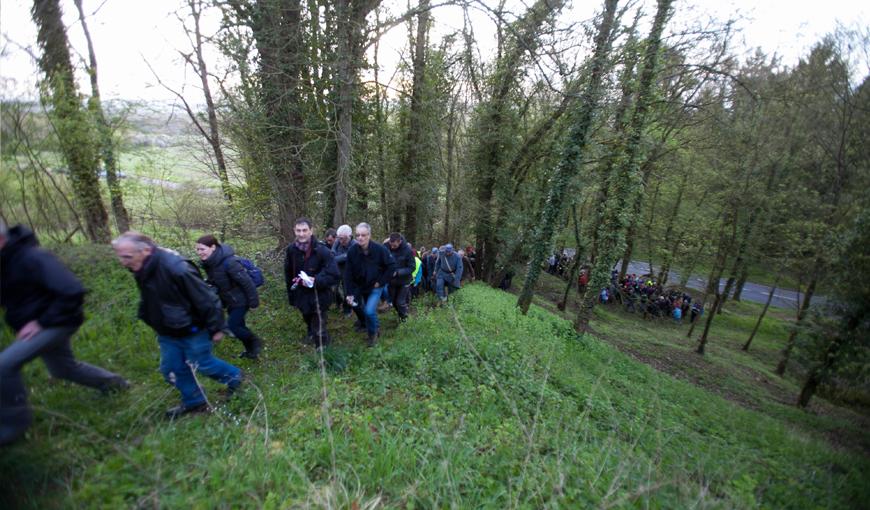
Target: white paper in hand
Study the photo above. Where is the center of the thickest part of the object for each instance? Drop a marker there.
(308, 281)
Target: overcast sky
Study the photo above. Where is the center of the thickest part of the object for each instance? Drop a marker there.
(127, 33)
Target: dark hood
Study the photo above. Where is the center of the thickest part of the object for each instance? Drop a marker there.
(19, 237)
(220, 254)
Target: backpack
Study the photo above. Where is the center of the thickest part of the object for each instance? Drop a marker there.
(254, 272)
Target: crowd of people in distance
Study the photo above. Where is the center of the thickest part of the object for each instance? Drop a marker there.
(184, 303)
(642, 294)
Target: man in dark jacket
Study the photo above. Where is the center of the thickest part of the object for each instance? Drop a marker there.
(310, 272)
(343, 242)
(399, 287)
(369, 269)
(43, 303)
(186, 315)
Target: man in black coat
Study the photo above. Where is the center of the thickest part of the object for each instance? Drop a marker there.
(310, 272)
(43, 302)
(186, 315)
(399, 287)
(369, 269)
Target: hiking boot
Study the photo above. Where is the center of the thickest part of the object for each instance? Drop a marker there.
(181, 410)
(372, 339)
(115, 385)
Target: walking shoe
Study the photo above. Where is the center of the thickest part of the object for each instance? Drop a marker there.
(180, 410)
(115, 385)
(372, 339)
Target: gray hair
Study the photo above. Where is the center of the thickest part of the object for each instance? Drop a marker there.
(365, 226)
(139, 240)
(344, 230)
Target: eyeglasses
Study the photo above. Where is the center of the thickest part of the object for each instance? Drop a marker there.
(363, 235)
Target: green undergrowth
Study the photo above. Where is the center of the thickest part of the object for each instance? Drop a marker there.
(469, 406)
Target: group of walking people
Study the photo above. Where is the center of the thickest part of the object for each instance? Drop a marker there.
(43, 302)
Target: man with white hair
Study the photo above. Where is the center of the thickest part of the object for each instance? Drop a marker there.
(43, 303)
(343, 241)
(369, 269)
(185, 314)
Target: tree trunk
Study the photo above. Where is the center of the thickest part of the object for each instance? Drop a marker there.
(738, 289)
(668, 258)
(572, 154)
(761, 317)
(451, 144)
(578, 257)
(107, 146)
(702, 342)
(802, 312)
(411, 160)
(74, 131)
(489, 151)
(627, 179)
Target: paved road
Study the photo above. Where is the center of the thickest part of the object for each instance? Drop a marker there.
(783, 298)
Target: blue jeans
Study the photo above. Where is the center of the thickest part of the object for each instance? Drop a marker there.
(179, 357)
(367, 309)
(448, 279)
(236, 323)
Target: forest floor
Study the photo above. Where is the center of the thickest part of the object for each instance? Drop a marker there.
(472, 405)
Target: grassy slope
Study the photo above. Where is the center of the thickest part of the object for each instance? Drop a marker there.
(478, 408)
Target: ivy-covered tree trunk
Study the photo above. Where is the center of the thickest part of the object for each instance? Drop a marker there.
(78, 141)
(492, 126)
(572, 154)
(672, 221)
(276, 28)
(107, 145)
(627, 180)
(411, 160)
(351, 24)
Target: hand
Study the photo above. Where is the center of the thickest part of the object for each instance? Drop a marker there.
(349, 300)
(377, 285)
(29, 330)
(217, 337)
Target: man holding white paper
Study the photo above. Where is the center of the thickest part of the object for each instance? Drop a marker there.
(310, 272)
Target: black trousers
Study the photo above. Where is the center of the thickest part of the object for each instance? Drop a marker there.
(399, 295)
(316, 323)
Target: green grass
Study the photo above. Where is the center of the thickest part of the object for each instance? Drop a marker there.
(469, 406)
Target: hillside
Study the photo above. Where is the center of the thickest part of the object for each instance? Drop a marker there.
(469, 406)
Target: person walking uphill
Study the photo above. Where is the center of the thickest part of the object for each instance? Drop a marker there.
(448, 271)
(43, 304)
(399, 287)
(310, 272)
(235, 288)
(369, 269)
(184, 313)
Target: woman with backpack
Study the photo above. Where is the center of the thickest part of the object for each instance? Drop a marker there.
(236, 289)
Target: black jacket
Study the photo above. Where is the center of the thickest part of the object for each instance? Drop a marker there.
(317, 262)
(35, 285)
(176, 302)
(403, 256)
(363, 269)
(233, 284)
